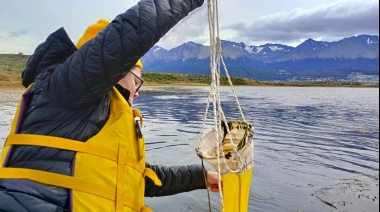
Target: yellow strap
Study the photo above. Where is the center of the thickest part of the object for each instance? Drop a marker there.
(120, 177)
(61, 143)
(67, 144)
(58, 180)
(68, 182)
(153, 176)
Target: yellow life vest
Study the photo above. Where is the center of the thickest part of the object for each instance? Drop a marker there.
(109, 173)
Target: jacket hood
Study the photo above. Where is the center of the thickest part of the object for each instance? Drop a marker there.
(55, 50)
(92, 31)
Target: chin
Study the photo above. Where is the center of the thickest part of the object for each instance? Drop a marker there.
(130, 102)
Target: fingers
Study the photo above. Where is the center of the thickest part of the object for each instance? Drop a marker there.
(212, 180)
(214, 187)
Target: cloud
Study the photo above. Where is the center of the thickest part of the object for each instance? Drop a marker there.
(192, 28)
(18, 33)
(328, 21)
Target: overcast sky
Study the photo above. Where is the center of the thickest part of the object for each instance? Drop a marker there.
(25, 24)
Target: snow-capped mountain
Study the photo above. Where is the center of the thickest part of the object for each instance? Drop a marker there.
(265, 62)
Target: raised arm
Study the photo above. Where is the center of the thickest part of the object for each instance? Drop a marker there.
(88, 74)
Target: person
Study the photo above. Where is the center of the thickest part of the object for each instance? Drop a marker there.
(75, 143)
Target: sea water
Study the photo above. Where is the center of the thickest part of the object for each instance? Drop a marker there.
(316, 149)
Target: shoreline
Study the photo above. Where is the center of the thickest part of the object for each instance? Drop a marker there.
(13, 86)
(18, 85)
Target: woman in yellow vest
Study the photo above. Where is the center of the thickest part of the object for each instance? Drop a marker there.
(75, 142)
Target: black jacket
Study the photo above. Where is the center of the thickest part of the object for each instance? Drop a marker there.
(71, 99)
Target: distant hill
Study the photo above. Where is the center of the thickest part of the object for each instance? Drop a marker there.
(309, 60)
(11, 66)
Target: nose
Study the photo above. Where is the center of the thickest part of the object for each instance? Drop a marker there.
(136, 95)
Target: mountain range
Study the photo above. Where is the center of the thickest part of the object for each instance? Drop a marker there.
(309, 60)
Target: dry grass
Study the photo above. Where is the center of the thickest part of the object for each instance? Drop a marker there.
(11, 66)
(4, 77)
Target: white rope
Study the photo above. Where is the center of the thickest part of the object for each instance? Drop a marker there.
(215, 78)
(215, 61)
(213, 20)
(233, 90)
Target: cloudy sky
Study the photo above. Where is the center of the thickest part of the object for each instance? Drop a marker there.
(24, 25)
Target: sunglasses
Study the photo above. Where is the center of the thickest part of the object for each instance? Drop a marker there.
(139, 83)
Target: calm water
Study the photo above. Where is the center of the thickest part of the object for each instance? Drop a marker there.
(313, 146)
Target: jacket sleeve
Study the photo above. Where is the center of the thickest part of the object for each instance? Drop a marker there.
(88, 74)
(175, 179)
